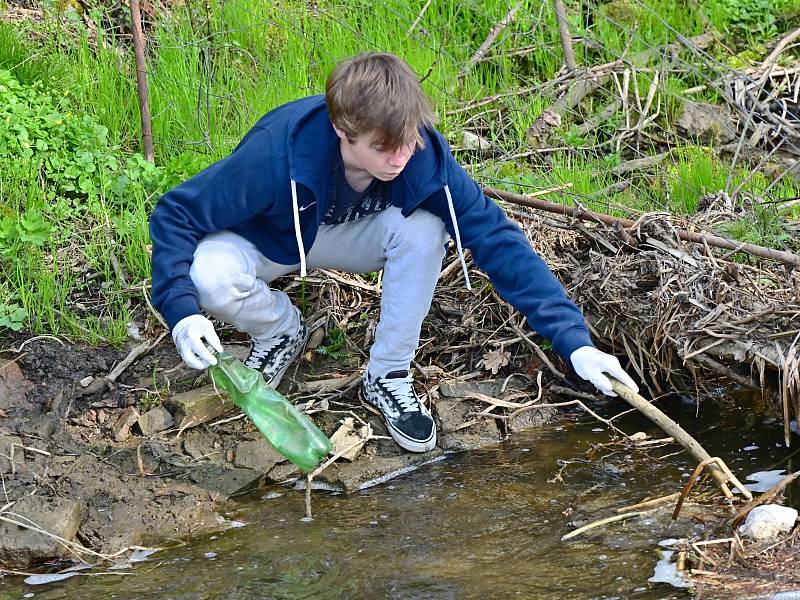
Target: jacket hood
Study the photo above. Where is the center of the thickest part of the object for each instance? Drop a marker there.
(313, 147)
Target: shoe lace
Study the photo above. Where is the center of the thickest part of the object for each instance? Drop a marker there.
(260, 351)
(402, 389)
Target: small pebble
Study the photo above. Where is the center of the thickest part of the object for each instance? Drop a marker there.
(271, 496)
(210, 554)
(307, 519)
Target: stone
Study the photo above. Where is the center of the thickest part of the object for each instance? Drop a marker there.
(451, 415)
(472, 141)
(155, 420)
(21, 548)
(284, 471)
(710, 123)
(201, 445)
(257, 454)
(767, 522)
(121, 429)
(198, 406)
(361, 474)
(6, 442)
(533, 418)
(14, 387)
(224, 482)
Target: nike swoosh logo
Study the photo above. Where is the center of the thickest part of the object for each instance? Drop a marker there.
(302, 208)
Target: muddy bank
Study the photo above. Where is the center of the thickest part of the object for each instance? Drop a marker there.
(126, 465)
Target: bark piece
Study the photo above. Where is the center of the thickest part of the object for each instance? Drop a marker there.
(198, 406)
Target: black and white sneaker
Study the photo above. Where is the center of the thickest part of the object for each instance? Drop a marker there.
(408, 420)
(273, 356)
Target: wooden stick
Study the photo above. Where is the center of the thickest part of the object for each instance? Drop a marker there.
(789, 258)
(496, 30)
(678, 434)
(141, 81)
(602, 522)
(563, 33)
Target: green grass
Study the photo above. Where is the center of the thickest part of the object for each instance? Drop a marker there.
(66, 208)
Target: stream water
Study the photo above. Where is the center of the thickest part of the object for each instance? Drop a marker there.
(481, 524)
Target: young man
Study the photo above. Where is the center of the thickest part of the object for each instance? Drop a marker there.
(357, 180)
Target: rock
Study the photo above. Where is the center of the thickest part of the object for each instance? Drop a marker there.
(20, 548)
(284, 472)
(155, 420)
(6, 442)
(224, 482)
(471, 141)
(348, 436)
(14, 387)
(451, 414)
(198, 406)
(201, 445)
(257, 454)
(530, 419)
(708, 122)
(768, 522)
(351, 477)
(121, 429)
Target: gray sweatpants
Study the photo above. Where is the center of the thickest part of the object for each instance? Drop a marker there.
(232, 279)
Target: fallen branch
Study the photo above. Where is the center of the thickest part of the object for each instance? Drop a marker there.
(98, 384)
(789, 258)
(602, 522)
(496, 30)
(716, 466)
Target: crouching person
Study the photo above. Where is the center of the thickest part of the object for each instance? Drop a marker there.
(356, 180)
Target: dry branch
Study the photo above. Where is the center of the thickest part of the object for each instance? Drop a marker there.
(783, 256)
(680, 435)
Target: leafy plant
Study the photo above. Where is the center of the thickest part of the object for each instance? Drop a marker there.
(335, 348)
(12, 316)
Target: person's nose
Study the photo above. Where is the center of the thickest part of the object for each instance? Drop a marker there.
(400, 157)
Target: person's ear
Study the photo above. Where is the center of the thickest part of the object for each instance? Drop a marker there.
(340, 133)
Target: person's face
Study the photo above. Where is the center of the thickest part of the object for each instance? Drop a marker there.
(380, 162)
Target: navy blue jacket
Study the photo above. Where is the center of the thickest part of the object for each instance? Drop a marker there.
(249, 193)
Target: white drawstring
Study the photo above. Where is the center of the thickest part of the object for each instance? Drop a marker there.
(297, 234)
(458, 236)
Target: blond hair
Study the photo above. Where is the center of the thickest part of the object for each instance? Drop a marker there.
(378, 91)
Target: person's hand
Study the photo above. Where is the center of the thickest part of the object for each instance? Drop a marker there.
(591, 364)
(189, 334)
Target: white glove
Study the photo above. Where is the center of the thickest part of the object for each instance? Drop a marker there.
(590, 364)
(188, 335)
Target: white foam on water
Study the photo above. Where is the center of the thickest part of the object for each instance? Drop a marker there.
(667, 572)
(750, 448)
(764, 480)
(48, 578)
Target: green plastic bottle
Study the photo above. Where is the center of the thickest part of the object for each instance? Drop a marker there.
(289, 431)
